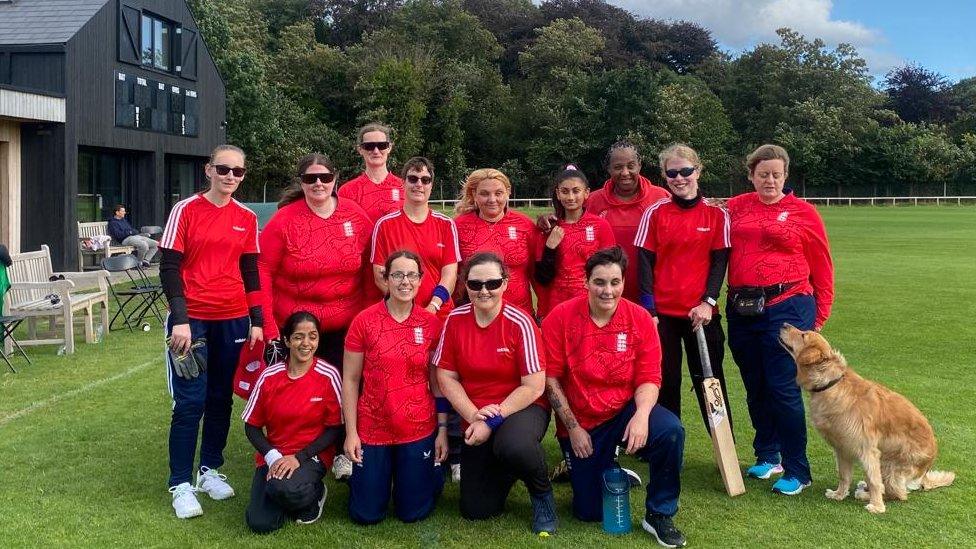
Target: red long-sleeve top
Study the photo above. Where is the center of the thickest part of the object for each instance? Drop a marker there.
(779, 243)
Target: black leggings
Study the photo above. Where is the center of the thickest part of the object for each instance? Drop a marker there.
(673, 330)
(272, 501)
(514, 452)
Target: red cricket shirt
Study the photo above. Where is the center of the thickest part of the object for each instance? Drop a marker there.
(294, 412)
(212, 240)
(781, 242)
(490, 361)
(314, 264)
(376, 199)
(580, 240)
(682, 240)
(396, 405)
(624, 216)
(600, 368)
(434, 239)
(513, 239)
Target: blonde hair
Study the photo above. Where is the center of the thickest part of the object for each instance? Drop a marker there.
(768, 152)
(226, 147)
(465, 202)
(679, 150)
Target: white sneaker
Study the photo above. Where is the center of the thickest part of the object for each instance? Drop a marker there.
(214, 484)
(185, 502)
(341, 467)
(325, 493)
(456, 472)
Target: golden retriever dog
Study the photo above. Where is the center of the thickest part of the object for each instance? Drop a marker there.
(864, 420)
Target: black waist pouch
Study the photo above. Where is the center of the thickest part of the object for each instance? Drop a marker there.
(749, 301)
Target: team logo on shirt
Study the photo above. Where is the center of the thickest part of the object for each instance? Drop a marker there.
(621, 342)
(782, 216)
(503, 350)
(704, 229)
(239, 229)
(512, 234)
(347, 228)
(315, 399)
(396, 194)
(590, 233)
(253, 365)
(418, 335)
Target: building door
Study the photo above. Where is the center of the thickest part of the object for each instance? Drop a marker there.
(104, 180)
(184, 176)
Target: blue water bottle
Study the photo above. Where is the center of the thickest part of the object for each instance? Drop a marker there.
(616, 501)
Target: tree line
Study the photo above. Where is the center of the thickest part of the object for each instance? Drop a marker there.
(527, 88)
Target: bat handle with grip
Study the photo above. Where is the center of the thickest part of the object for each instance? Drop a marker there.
(706, 361)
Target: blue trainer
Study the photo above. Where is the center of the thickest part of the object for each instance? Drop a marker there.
(764, 470)
(789, 486)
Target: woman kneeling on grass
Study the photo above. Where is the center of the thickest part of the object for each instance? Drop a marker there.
(297, 404)
(391, 434)
(489, 367)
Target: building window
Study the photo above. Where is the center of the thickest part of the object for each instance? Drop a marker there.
(157, 42)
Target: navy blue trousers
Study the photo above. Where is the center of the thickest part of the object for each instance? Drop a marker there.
(405, 469)
(208, 397)
(769, 375)
(664, 453)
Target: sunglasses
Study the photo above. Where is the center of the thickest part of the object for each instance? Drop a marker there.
(420, 180)
(373, 145)
(224, 170)
(311, 178)
(683, 172)
(490, 285)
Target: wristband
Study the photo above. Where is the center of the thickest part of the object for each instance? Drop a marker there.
(647, 301)
(441, 292)
(443, 405)
(494, 422)
(272, 456)
(442, 425)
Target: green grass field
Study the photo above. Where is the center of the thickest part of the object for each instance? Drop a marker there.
(83, 438)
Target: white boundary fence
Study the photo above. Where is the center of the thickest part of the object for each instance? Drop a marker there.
(825, 200)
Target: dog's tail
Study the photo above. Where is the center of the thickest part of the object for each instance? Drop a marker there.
(935, 479)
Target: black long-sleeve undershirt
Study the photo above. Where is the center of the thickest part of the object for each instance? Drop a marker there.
(716, 273)
(261, 443)
(545, 268)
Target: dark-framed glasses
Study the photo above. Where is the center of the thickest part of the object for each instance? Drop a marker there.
(311, 178)
(221, 169)
(374, 145)
(683, 172)
(398, 276)
(420, 179)
(490, 285)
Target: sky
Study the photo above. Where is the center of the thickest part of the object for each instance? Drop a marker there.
(939, 35)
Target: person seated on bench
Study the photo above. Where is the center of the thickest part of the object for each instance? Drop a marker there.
(121, 231)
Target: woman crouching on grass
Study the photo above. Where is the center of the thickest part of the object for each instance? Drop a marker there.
(392, 433)
(293, 419)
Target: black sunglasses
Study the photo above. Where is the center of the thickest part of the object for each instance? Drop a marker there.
(224, 170)
(422, 179)
(373, 145)
(310, 178)
(683, 172)
(491, 285)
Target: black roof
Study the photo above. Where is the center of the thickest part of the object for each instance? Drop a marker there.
(44, 21)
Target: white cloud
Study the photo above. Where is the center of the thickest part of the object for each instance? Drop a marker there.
(740, 24)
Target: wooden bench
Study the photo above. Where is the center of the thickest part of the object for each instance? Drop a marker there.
(92, 229)
(33, 295)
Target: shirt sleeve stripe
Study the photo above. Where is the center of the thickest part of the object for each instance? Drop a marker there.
(529, 346)
(332, 373)
(253, 400)
(440, 342)
(376, 232)
(645, 222)
(454, 234)
(173, 223)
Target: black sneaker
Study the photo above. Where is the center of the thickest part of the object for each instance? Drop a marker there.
(543, 514)
(663, 530)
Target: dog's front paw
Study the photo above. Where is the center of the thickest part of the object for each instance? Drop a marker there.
(876, 509)
(835, 495)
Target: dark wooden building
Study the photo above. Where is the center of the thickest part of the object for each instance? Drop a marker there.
(101, 102)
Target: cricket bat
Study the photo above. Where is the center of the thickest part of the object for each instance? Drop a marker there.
(723, 446)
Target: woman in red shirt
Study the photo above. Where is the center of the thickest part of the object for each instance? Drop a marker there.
(485, 223)
(683, 250)
(576, 235)
(603, 383)
(293, 419)
(391, 432)
(312, 257)
(780, 270)
(377, 190)
(490, 369)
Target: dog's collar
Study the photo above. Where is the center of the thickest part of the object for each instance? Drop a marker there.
(829, 384)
